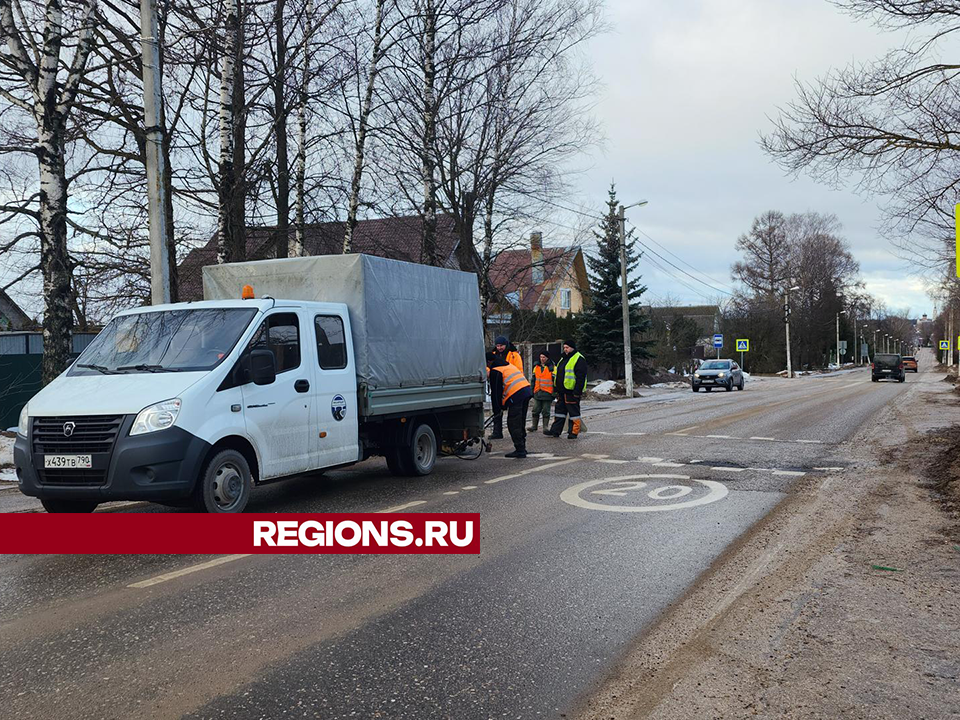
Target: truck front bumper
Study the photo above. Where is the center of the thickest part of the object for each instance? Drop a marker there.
(162, 465)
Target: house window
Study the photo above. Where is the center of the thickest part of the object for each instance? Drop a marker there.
(565, 296)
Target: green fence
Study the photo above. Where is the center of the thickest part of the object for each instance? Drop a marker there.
(19, 381)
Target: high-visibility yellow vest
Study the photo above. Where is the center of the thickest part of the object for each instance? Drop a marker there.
(513, 380)
(569, 376)
(542, 379)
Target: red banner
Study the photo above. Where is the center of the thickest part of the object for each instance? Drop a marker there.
(176, 534)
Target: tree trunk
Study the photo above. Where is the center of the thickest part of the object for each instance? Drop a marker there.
(429, 224)
(485, 289)
(229, 236)
(280, 129)
(54, 257)
(365, 109)
(167, 178)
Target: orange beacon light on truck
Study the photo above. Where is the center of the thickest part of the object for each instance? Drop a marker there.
(247, 293)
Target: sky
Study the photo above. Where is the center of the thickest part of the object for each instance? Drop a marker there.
(689, 86)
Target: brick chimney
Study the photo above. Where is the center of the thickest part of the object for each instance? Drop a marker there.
(536, 256)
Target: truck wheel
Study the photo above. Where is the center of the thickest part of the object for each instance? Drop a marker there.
(393, 462)
(419, 457)
(69, 506)
(224, 485)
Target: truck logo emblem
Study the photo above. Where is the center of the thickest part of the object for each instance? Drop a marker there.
(338, 407)
(68, 428)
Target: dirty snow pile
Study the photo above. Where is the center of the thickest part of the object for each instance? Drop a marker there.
(7, 473)
(604, 388)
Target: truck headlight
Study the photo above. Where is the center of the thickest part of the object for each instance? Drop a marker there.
(23, 426)
(156, 417)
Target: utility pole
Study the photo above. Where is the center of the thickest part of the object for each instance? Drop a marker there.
(156, 200)
(625, 300)
(838, 338)
(786, 322)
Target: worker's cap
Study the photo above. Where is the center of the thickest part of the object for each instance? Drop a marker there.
(571, 343)
(501, 340)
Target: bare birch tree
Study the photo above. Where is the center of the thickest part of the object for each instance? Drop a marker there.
(40, 92)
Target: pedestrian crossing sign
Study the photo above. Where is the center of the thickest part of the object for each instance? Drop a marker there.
(743, 345)
(944, 344)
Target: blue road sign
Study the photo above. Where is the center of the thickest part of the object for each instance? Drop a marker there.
(743, 345)
(718, 341)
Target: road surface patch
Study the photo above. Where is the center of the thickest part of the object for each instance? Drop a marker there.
(398, 508)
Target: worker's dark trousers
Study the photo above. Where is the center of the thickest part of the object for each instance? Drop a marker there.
(516, 417)
(567, 408)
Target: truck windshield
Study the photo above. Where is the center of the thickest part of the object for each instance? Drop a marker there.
(166, 341)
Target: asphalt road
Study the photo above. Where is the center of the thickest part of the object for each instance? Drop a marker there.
(583, 546)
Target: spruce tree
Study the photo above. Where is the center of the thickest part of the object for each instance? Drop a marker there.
(601, 328)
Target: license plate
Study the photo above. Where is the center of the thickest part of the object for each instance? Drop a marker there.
(886, 371)
(67, 461)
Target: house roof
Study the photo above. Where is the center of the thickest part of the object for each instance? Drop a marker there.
(13, 314)
(397, 238)
(512, 271)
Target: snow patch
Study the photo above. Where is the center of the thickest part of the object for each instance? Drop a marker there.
(604, 388)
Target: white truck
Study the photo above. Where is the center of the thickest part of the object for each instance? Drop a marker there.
(334, 359)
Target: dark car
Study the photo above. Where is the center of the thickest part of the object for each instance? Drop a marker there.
(887, 366)
(717, 373)
(910, 364)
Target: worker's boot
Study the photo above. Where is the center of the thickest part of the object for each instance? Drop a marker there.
(557, 427)
(536, 422)
(574, 429)
(497, 433)
(520, 452)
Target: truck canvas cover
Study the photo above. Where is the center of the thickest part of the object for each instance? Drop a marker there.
(413, 325)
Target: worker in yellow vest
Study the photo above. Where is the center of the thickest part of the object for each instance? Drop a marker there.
(505, 350)
(570, 379)
(542, 392)
(510, 391)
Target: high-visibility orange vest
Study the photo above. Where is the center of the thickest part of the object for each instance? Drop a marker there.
(513, 380)
(513, 357)
(542, 379)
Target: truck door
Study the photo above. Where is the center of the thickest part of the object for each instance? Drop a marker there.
(337, 434)
(279, 416)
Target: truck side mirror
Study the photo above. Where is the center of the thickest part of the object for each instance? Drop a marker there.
(263, 367)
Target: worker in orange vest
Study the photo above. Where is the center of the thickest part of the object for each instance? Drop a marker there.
(542, 392)
(505, 350)
(510, 390)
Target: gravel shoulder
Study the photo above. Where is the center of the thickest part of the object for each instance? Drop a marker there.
(844, 601)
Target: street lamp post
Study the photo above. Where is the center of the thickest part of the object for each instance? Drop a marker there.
(842, 312)
(625, 299)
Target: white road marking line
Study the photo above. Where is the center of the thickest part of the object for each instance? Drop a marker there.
(764, 438)
(692, 427)
(812, 442)
(722, 437)
(727, 469)
(791, 473)
(530, 470)
(452, 492)
(398, 508)
(611, 461)
(650, 459)
(636, 433)
(469, 487)
(600, 432)
(186, 571)
(590, 456)
(829, 469)
(668, 464)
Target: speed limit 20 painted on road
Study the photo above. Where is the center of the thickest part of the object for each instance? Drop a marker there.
(644, 493)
